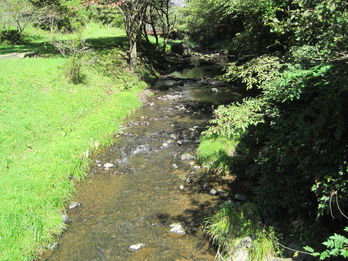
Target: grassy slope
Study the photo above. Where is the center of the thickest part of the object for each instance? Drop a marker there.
(46, 127)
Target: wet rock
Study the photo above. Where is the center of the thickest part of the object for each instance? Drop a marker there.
(108, 166)
(241, 252)
(240, 197)
(177, 228)
(187, 156)
(54, 246)
(136, 247)
(214, 90)
(66, 219)
(213, 192)
(74, 205)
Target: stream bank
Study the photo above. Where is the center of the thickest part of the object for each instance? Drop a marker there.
(148, 180)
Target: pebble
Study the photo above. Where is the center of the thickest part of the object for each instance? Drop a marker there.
(187, 156)
(66, 219)
(74, 205)
(136, 247)
(175, 166)
(181, 187)
(54, 246)
(108, 165)
(213, 192)
(177, 228)
(173, 136)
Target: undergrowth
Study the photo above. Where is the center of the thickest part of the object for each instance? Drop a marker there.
(235, 226)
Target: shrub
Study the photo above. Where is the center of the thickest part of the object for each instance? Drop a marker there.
(10, 37)
(74, 49)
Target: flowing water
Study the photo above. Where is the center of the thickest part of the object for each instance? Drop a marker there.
(148, 187)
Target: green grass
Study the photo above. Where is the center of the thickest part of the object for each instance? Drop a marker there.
(48, 130)
(40, 41)
(233, 223)
(216, 153)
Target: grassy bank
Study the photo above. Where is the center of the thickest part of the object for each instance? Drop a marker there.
(48, 129)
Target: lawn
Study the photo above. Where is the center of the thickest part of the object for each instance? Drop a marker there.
(48, 130)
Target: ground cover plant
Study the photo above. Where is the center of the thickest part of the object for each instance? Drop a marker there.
(49, 128)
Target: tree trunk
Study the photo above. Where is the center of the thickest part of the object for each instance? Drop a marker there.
(133, 54)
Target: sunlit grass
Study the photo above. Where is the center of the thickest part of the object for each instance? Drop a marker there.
(234, 223)
(216, 153)
(48, 128)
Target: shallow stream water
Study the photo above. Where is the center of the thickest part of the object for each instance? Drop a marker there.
(148, 187)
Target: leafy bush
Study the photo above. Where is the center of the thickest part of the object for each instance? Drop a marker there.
(337, 245)
(255, 72)
(233, 120)
(74, 49)
(10, 37)
(73, 70)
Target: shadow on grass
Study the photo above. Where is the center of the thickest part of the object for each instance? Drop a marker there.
(46, 48)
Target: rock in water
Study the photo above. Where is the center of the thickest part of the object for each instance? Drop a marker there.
(108, 165)
(177, 229)
(74, 205)
(187, 156)
(66, 219)
(213, 192)
(214, 90)
(136, 247)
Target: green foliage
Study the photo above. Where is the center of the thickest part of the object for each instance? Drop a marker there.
(10, 37)
(292, 132)
(233, 223)
(73, 70)
(76, 50)
(255, 72)
(233, 120)
(15, 15)
(337, 245)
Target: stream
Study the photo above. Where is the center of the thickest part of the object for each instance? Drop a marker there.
(145, 182)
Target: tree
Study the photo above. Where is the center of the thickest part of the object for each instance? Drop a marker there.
(136, 15)
(16, 14)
